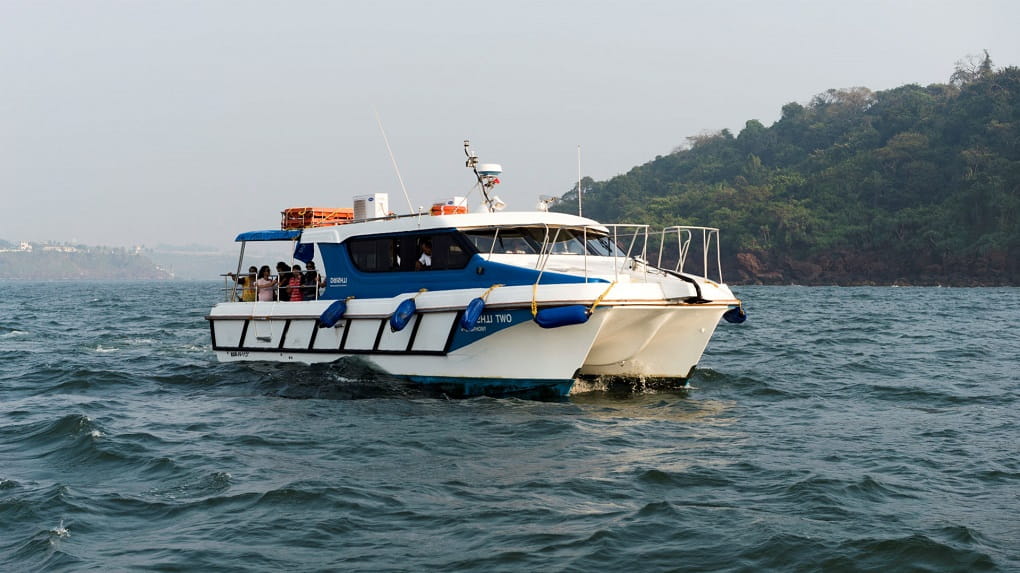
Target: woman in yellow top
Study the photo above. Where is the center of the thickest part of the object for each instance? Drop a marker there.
(247, 284)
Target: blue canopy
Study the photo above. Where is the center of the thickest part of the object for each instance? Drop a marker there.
(269, 235)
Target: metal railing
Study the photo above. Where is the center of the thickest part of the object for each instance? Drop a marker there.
(681, 249)
(233, 290)
(634, 238)
(705, 239)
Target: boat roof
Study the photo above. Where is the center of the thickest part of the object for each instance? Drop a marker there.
(269, 235)
(422, 222)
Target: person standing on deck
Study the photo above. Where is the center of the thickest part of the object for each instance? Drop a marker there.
(283, 277)
(266, 285)
(294, 283)
(312, 281)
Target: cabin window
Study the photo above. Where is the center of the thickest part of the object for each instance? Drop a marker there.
(529, 241)
(603, 246)
(564, 242)
(398, 253)
(375, 255)
(447, 252)
(506, 240)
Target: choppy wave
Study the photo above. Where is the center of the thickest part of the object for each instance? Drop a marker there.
(837, 430)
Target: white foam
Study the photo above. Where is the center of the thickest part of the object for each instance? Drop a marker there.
(61, 531)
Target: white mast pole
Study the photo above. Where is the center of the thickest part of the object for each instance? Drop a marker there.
(394, 160)
(579, 211)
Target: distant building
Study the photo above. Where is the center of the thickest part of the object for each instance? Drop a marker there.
(60, 248)
(23, 247)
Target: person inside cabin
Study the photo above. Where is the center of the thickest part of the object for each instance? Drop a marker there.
(283, 277)
(265, 285)
(295, 284)
(312, 282)
(247, 284)
(424, 262)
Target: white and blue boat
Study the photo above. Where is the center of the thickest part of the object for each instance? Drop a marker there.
(513, 303)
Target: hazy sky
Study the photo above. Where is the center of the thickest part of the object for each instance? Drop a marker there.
(147, 122)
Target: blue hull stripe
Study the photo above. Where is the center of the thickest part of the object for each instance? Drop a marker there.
(497, 386)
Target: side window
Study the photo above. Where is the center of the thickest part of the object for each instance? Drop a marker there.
(375, 255)
(400, 253)
(565, 242)
(458, 256)
(447, 252)
(482, 240)
(512, 241)
(603, 246)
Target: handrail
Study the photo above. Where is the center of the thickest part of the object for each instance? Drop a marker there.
(630, 244)
(709, 242)
(232, 290)
(640, 233)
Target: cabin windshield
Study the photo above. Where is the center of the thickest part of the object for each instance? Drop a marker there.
(529, 241)
(504, 240)
(602, 245)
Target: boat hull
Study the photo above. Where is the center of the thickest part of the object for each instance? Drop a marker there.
(652, 342)
(504, 353)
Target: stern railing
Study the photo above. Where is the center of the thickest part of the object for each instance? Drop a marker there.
(233, 290)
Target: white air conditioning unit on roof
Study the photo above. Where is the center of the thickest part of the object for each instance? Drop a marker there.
(371, 206)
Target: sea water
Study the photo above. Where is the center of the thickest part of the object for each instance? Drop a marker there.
(838, 429)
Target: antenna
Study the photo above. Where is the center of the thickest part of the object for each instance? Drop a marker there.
(410, 208)
(487, 175)
(579, 180)
(544, 201)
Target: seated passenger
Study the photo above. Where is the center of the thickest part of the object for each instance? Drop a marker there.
(424, 262)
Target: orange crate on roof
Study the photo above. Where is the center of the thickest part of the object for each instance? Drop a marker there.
(302, 217)
(442, 209)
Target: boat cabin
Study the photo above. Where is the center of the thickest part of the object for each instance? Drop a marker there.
(383, 257)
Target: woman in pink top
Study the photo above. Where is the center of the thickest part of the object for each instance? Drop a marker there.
(265, 285)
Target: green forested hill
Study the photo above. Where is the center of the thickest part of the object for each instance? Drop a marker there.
(917, 185)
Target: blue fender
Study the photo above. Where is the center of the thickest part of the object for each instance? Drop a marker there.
(402, 315)
(562, 316)
(735, 315)
(332, 314)
(472, 313)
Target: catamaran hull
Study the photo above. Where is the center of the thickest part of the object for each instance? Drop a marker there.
(652, 342)
(505, 352)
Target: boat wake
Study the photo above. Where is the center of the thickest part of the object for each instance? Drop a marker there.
(618, 385)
